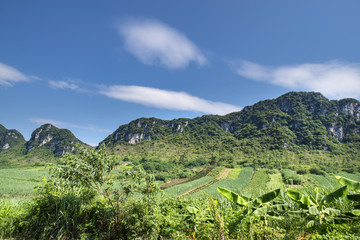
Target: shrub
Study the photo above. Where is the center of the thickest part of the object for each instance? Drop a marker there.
(316, 171)
(290, 177)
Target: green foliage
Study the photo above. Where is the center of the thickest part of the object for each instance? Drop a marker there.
(9, 215)
(290, 177)
(351, 184)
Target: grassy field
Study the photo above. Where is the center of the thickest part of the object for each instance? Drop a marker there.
(19, 182)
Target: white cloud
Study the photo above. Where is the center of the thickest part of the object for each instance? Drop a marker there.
(63, 85)
(10, 75)
(41, 121)
(167, 99)
(153, 42)
(334, 79)
(71, 84)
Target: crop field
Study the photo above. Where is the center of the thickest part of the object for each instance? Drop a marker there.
(19, 182)
(184, 187)
(275, 181)
(234, 185)
(327, 182)
(257, 185)
(234, 174)
(353, 176)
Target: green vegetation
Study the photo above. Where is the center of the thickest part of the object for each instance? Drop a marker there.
(19, 182)
(279, 162)
(235, 185)
(234, 174)
(187, 186)
(258, 184)
(275, 181)
(85, 197)
(290, 177)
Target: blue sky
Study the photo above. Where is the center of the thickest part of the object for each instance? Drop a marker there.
(91, 66)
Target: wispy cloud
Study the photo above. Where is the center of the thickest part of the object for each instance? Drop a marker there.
(68, 84)
(153, 42)
(41, 121)
(10, 75)
(334, 79)
(63, 85)
(165, 99)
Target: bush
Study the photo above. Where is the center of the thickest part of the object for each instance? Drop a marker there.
(196, 163)
(290, 177)
(316, 171)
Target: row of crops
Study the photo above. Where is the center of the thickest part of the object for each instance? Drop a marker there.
(19, 182)
(255, 182)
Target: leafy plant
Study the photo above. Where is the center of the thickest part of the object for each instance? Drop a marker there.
(354, 186)
(316, 208)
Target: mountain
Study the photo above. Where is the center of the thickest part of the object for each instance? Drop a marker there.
(49, 137)
(9, 138)
(46, 143)
(295, 128)
(296, 118)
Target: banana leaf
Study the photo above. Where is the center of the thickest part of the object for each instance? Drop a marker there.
(313, 210)
(351, 184)
(334, 195)
(354, 197)
(267, 197)
(299, 197)
(233, 196)
(356, 212)
(261, 211)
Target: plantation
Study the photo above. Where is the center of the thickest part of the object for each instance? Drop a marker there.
(86, 197)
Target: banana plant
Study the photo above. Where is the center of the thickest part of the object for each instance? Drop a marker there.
(316, 208)
(259, 206)
(352, 186)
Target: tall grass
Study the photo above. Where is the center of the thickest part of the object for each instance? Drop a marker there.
(13, 187)
(9, 214)
(20, 181)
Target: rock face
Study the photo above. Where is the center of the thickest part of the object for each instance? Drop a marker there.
(305, 118)
(145, 129)
(300, 117)
(59, 141)
(9, 138)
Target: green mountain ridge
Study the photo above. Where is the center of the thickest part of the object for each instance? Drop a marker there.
(295, 118)
(9, 138)
(46, 143)
(286, 127)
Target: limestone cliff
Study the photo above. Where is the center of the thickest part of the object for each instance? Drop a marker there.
(9, 138)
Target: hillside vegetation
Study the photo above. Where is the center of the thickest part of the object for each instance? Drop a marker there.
(286, 168)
